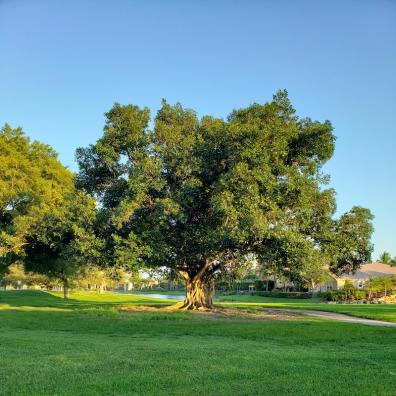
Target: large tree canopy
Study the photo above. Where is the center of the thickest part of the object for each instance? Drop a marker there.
(32, 181)
(201, 195)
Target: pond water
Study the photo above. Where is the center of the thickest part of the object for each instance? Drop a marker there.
(158, 295)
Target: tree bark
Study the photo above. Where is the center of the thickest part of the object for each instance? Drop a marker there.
(211, 288)
(66, 291)
(196, 294)
(313, 285)
(199, 290)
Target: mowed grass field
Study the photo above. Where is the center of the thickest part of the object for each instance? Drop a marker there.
(87, 346)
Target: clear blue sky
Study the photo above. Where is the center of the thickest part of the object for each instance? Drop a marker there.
(64, 63)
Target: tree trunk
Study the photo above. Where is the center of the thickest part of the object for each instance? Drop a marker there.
(199, 295)
(210, 293)
(200, 288)
(66, 291)
(313, 284)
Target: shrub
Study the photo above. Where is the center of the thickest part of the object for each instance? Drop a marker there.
(281, 294)
(325, 295)
(260, 285)
(348, 293)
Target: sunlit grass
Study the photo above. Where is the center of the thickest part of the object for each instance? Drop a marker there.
(8, 307)
(108, 297)
(77, 300)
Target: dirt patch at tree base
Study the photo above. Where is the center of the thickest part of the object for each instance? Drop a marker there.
(220, 313)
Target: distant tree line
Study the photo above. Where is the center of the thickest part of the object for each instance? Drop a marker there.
(386, 258)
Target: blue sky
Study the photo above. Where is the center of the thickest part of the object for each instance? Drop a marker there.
(64, 63)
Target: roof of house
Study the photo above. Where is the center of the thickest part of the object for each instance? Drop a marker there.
(372, 270)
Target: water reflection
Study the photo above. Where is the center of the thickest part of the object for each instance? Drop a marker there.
(158, 295)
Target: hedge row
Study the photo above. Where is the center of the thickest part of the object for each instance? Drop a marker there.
(281, 294)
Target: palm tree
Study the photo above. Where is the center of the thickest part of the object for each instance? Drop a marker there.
(385, 258)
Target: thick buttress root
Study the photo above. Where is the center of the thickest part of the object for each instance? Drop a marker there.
(198, 295)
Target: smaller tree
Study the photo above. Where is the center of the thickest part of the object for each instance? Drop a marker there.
(350, 292)
(314, 275)
(62, 241)
(387, 284)
(349, 243)
(385, 258)
(31, 180)
(96, 278)
(381, 285)
(266, 272)
(16, 276)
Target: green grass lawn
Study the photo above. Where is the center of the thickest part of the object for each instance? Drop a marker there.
(86, 346)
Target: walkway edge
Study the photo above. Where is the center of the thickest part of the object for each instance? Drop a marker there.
(347, 318)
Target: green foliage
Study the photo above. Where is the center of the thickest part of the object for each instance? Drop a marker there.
(29, 173)
(16, 276)
(262, 285)
(280, 294)
(381, 285)
(376, 287)
(348, 293)
(44, 221)
(91, 277)
(350, 244)
(32, 182)
(386, 258)
(199, 195)
(61, 240)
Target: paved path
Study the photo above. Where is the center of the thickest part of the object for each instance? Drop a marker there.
(347, 318)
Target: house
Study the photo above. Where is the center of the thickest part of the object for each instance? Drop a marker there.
(360, 277)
